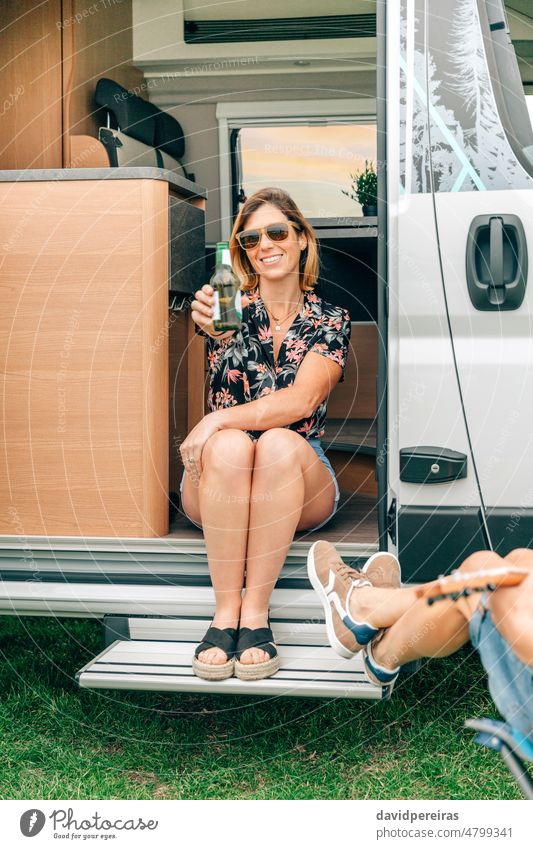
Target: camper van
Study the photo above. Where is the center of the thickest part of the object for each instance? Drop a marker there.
(132, 131)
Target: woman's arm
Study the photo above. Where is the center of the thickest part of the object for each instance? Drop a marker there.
(316, 377)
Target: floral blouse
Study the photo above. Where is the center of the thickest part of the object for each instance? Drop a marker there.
(242, 367)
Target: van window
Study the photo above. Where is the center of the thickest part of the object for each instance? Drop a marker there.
(312, 163)
(508, 32)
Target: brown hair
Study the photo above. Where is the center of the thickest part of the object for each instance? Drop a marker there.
(309, 256)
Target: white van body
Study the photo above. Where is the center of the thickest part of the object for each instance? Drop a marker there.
(460, 374)
(455, 377)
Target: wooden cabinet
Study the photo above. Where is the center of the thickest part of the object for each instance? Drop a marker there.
(84, 357)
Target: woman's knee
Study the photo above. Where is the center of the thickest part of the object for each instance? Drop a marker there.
(278, 446)
(228, 451)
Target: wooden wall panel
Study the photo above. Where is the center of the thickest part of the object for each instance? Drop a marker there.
(357, 474)
(355, 398)
(84, 358)
(53, 53)
(30, 84)
(96, 45)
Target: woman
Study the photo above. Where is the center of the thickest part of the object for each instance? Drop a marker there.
(254, 469)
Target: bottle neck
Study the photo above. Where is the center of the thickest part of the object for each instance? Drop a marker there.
(223, 254)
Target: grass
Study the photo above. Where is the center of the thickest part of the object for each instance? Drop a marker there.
(59, 742)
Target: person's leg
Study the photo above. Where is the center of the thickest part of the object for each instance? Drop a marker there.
(512, 608)
(220, 502)
(412, 629)
(291, 490)
(432, 631)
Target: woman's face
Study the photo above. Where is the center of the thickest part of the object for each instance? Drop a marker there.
(274, 261)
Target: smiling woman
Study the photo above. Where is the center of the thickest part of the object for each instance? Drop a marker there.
(259, 447)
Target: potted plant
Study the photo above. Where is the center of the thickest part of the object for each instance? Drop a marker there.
(364, 189)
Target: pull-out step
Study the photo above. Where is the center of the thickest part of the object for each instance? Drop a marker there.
(308, 671)
(155, 653)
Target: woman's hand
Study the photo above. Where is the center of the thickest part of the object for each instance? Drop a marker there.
(192, 447)
(203, 308)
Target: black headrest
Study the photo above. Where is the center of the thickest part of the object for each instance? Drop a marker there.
(140, 119)
(134, 116)
(169, 135)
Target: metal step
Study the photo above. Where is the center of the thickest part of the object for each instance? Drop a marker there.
(157, 665)
(163, 561)
(45, 598)
(303, 632)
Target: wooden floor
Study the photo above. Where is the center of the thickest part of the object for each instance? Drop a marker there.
(354, 522)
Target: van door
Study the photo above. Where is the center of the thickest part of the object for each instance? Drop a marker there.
(485, 226)
(460, 354)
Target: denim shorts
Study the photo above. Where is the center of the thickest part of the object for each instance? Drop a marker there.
(510, 679)
(314, 442)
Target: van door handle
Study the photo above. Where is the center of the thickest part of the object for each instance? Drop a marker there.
(496, 292)
(496, 262)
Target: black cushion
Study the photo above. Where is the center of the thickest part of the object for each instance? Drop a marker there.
(169, 135)
(134, 116)
(140, 119)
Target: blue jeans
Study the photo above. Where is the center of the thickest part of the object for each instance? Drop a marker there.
(314, 442)
(510, 679)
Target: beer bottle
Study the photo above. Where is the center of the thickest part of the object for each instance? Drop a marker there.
(228, 310)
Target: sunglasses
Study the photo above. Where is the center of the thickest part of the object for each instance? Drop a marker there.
(249, 239)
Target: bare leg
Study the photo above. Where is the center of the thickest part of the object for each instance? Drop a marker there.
(291, 490)
(423, 630)
(221, 503)
(512, 608)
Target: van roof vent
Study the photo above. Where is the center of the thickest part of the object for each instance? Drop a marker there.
(280, 29)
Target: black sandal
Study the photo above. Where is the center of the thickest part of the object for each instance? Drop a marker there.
(260, 638)
(221, 639)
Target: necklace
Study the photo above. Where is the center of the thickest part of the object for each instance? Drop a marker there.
(280, 321)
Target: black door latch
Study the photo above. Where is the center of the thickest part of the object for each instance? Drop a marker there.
(496, 262)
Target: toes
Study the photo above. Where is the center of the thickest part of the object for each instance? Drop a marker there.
(254, 656)
(213, 656)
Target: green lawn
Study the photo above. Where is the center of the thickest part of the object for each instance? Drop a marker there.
(59, 742)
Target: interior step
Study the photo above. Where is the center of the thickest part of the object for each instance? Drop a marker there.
(165, 665)
(354, 436)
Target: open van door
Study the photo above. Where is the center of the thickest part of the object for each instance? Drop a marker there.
(460, 311)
